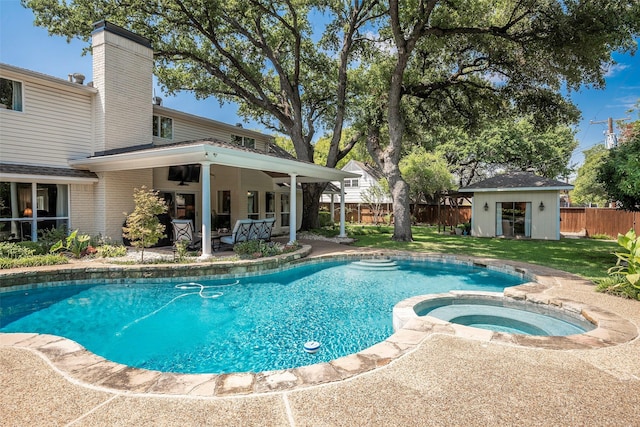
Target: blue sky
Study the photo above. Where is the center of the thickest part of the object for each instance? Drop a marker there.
(24, 45)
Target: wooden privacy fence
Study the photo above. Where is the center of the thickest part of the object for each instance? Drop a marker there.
(591, 221)
(423, 214)
(584, 221)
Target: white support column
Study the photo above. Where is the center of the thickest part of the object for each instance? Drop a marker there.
(206, 210)
(293, 209)
(34, 212)
(332, 209)
(342, 230)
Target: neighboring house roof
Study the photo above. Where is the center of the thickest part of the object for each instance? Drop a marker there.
(278, 163)
(19, 172)
(516, 181)
(367, 168)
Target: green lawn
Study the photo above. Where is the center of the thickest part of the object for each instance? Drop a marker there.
(585, 257)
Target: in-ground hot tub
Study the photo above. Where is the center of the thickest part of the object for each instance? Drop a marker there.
(493, 311)
(496, 313)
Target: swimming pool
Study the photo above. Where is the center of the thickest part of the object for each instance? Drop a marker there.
(249, 324)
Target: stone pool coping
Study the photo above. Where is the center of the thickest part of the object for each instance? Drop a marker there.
(81, 366)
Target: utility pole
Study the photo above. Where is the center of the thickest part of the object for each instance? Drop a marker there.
(611, 140)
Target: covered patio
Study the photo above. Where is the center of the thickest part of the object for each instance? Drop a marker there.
(276, 164)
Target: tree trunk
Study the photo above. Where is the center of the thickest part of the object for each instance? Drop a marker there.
(401, 212)
(311, 205)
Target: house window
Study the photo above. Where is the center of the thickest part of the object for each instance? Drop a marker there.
(10, 95)
(269, 204)
(28, 209)
(284, 210)
(163, 127)
(351, 182)
(243, 141)
(253, 210)
(223, 216)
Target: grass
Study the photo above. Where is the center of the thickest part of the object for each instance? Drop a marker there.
(585, 257)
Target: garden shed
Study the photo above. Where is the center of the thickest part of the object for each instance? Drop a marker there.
(516, 205)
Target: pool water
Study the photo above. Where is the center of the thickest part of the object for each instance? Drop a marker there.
(249, 324)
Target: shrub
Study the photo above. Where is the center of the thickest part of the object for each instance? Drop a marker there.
(143, 228)
(624, 277)
(77, 245)
(260, 248)
(111, 251)
(15, 250)
(50, 236)
(38, 248)
(628, 264)
(324, 218)
(32, 261)
(617, 285)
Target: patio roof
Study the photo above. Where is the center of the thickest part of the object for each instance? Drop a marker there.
(44, 174)
(274, 162)
(516, 181)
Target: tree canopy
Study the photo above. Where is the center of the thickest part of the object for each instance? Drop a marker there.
(587, 187)
(470, 60)
(620, 174)
(381, 65)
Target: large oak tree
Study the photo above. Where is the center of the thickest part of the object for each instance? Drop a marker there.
(269, 56)
(473, 60)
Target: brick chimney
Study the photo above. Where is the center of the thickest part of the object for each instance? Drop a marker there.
(123, 75)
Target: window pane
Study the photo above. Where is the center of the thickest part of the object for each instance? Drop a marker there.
(156, 126)
(10, 94)
(166, 127)
(284, 210)
(253, 210)
(236, 139)
(269, 202)
(250, 143)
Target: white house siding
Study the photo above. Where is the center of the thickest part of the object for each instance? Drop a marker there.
(83, 212)
(122, 73)
(354, 194)
(54, 126)
(187, 128)
(544, 224)
(114, 197)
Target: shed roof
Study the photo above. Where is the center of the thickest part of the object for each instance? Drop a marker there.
(516, 181)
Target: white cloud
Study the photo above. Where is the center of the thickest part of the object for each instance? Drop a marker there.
(612, 69)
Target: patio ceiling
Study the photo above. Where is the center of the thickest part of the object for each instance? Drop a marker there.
(215, 153)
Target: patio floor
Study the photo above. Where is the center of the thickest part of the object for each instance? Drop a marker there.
(445, 380)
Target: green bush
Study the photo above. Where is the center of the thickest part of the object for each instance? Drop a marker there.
(628, 264)
(260, 248)
(77, 245)
(32, 261)
(324, 218)
(50, 236)
(111, 251)
(15, 250)
(617, 285)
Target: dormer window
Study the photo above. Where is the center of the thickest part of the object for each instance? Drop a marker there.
(243, 141)
(163, 127)
(10, 94)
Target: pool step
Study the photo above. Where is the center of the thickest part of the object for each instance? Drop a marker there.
(375, 264)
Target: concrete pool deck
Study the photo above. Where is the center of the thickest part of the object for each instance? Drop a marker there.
(443, 379)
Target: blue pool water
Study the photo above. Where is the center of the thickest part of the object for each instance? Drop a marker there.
(250, 324)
